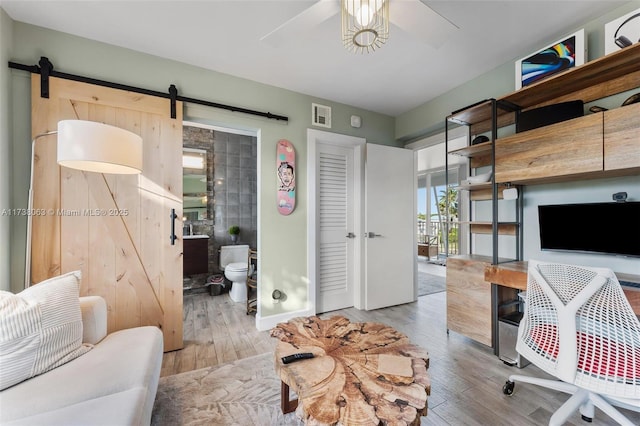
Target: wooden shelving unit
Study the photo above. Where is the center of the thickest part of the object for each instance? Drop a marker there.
(605, 144)
(481, 155)
(597, 79)
(471, 303)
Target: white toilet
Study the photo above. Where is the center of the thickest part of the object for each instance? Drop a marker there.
(234, 262)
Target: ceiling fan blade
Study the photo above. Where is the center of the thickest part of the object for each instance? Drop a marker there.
(299, 25)
(419, 20)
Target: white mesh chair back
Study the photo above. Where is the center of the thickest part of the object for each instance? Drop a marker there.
(578, 326)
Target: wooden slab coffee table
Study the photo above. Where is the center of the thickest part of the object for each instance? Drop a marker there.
(362, 373)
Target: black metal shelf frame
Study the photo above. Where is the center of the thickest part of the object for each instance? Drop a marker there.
(494, 105)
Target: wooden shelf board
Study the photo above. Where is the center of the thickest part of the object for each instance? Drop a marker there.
(475, 186)
(504, 228)
(483, 191)
(599, 71)
(616, 72)
(472, 114)
(473, 150)
(481, 111)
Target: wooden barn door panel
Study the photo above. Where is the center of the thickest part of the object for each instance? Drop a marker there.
(114, 228)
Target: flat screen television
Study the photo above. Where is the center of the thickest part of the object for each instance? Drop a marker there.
(606, 228)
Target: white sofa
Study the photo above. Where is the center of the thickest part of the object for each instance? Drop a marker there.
(113, 384)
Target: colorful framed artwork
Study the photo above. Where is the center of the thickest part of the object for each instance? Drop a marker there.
(568, 52)
(622, 32)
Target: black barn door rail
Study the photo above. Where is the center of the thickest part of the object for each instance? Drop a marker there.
(45, 69)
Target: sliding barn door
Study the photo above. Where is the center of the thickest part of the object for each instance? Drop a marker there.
(114, 228)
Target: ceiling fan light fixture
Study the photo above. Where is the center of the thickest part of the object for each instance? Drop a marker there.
(365, 24)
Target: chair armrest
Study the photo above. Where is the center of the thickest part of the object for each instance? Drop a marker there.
(94, 319)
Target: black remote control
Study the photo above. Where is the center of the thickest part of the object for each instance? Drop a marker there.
(296, 357)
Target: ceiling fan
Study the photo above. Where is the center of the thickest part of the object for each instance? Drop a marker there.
(411, 16)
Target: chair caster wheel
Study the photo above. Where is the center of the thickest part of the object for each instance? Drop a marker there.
(507, 389)
(586, 419)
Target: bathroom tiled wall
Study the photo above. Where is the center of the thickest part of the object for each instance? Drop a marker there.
(235, 187)
(231, 190)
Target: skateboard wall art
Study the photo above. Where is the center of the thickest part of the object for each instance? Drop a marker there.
(286, 165)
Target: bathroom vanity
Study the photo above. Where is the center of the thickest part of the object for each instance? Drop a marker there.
(195, 254)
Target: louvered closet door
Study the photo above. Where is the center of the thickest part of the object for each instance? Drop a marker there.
(123, 247)
(335, 221)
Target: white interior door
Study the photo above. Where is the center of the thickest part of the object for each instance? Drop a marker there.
(390, 221)
(336, 236)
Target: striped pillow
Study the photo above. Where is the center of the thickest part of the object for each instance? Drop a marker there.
(40, 328)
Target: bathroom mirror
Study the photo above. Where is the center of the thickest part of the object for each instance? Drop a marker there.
(194, 181)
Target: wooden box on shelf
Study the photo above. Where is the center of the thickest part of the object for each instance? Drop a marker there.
(570, 148)
(622, 138)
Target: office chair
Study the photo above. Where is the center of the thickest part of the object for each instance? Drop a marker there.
(579, 327)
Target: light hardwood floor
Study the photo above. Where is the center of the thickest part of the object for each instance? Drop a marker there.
(467, 378)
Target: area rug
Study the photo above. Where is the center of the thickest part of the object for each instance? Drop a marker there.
(429, 283)
(245, 392)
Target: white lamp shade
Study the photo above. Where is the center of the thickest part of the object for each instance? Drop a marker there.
(98, 147)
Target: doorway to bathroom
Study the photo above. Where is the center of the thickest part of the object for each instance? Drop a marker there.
(222, 195)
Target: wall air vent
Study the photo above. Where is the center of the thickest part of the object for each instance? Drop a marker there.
(321, 115)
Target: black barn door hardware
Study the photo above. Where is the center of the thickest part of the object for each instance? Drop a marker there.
(46, 70)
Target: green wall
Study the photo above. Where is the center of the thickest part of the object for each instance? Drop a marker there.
(428, 118)
(6, 42)
(283, 241)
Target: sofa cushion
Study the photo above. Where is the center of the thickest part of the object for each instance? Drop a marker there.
(94, 319)
(118, 409)
(124, 360)
(40, 328)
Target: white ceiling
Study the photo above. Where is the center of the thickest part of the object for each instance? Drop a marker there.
(403, 74)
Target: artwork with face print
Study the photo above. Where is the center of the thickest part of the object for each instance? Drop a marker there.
(286, 177)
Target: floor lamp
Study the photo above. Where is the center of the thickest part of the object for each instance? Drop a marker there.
(88, 146)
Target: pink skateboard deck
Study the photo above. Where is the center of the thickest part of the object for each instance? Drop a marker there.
(286, 164)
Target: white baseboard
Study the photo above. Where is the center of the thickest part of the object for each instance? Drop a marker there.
(267, 323)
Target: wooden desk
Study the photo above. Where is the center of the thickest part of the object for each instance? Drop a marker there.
(514, 275)
(469, 310)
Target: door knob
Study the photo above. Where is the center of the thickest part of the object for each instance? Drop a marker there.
(351, 235)
(372, 235)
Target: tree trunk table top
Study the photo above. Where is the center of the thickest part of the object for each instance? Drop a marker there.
(362, 373)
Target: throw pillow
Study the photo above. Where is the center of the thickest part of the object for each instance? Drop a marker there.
(40, 328)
